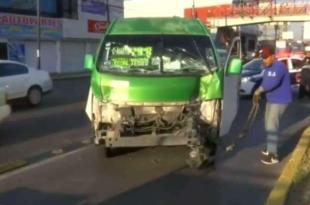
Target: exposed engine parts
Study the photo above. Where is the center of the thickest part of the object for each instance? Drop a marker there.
(193, 124)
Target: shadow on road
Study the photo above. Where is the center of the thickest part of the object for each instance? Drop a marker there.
(256, 136)
(62, 110)
(27, 196)
(41, 126)
(193, 187)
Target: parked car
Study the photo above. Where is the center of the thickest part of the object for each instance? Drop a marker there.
(252, 73)
(304, 88)
(22, 82)
(5, 109)
(294, 65)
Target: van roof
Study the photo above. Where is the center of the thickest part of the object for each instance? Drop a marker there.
(151, 26)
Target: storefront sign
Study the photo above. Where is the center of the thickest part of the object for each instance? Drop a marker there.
(97, 26)
(93, 7)
(20, 26)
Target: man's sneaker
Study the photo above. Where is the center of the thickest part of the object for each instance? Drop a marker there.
(265, 152)
(270, 159)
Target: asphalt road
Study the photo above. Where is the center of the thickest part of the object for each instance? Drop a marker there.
(59, 121)
(144, 176)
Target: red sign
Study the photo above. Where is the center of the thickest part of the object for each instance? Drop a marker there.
(97, 26)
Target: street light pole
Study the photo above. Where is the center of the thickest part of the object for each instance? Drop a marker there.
(38, 35)
(108, 11)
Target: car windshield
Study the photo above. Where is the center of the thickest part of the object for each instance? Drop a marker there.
(255, 64)
(157, 54)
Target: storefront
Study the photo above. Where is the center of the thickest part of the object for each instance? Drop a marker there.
(63, 41)
(19, 34)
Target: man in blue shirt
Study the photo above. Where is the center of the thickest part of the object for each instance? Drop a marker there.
(276, 85)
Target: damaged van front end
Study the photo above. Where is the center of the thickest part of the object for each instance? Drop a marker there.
(156, 82)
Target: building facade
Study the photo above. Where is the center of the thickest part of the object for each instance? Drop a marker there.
(68, 30)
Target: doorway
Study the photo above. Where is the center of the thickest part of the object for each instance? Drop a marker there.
(3, 51)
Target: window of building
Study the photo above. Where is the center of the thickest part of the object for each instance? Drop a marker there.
(3, 51)
(70, 9)
(48, 8)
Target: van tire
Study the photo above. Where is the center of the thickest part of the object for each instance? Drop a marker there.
(34, 96)
(109, 152)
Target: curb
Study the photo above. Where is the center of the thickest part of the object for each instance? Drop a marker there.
(279, 193)
(69, 76)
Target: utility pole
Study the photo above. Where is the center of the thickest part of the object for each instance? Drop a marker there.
(275, 7)
(193, 10)
(108, 11)
(276, 28)
(38, 35)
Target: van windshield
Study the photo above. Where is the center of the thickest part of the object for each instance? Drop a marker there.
(157, 54)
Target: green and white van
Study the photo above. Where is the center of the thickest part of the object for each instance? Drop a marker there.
(160, 82)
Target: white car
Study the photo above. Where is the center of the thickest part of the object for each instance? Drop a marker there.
(294, 65)
(5, 109)
(252, 73)
(251, 76)
(20, 81)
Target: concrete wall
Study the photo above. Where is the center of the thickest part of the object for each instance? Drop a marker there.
(59, 56)
(48, 55)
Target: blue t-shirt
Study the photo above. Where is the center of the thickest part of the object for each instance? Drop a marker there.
(277, 84)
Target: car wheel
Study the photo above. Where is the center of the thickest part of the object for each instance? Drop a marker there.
(34, 96)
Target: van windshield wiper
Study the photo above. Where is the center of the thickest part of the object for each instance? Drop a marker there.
(200, 55)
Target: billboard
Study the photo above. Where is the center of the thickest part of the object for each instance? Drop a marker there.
(93, 7)
(21, 26)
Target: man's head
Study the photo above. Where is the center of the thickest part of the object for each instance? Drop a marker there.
(267, 55)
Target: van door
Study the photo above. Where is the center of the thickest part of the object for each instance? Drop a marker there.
(230, 102)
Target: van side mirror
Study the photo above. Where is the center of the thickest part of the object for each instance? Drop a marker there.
(88, 62)
(234, 67)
